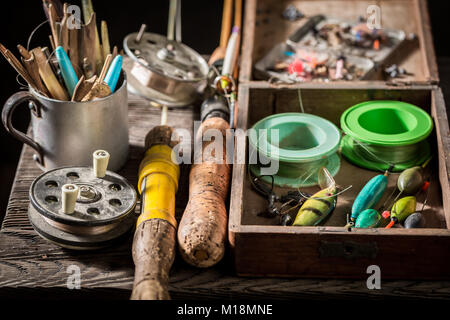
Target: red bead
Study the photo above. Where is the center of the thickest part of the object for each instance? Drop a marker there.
(295, 67)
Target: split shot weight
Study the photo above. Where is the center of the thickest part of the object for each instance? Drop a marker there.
(75, 209)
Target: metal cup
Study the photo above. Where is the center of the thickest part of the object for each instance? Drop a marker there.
(66, 133)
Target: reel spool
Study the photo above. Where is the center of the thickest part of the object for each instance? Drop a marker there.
(306, 143)
(163, 71)
(100, 211)
(382, 135)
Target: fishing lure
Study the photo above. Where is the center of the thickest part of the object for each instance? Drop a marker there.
(369, 218)
(321, 204)
(291, 198)
(369, 196)
(415, 220)
(272, 211)
(401, 210)
(410, 181)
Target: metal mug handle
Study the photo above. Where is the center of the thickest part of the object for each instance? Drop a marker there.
(7, 112)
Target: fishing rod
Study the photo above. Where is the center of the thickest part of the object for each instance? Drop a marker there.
(155, 236)
(203, 226)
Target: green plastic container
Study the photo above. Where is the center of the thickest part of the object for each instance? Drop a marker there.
(388, 124)
(304, 139)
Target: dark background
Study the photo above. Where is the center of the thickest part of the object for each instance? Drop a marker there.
(201, 29)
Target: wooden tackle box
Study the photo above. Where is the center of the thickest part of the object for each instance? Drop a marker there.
(262, 248)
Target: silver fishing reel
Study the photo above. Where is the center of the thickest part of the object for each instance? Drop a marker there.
(82, 208)
(162, 69)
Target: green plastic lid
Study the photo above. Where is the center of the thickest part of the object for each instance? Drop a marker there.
(389, 123)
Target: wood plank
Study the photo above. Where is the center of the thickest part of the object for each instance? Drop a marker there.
(439, 113)
(245, 70)
(30, 266)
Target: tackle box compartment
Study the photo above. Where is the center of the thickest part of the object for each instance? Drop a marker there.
(265, 27)
(260, 247)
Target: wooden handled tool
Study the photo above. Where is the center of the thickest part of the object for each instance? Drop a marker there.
(219, 53)
(155, 236)
(51, 82)
(203, 227)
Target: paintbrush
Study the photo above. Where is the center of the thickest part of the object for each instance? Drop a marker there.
(58, 7)
(65, 30)
(24, 52)
(33, 69)
(56, 90)
(17, 65)
(67, 71)
(219, 53)
(83, 87)
(74, 37)
(115, 52)
(238, 24)
(53, 63)
(52, 21)
(100, 88)
(92, 49)
(105, 40)
(88, 10)
(113, 74)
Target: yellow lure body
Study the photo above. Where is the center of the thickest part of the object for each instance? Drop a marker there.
(316, 208)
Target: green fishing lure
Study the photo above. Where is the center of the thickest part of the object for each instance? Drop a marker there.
(403, 208)
(369, 218)
(369, 196)
(410, 181)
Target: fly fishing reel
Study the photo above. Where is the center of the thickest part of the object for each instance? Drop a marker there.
(162, 70)
(82, 208)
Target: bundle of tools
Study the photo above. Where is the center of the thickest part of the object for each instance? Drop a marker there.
(80, 68)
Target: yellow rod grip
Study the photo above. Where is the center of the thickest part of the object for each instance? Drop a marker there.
(158, 183)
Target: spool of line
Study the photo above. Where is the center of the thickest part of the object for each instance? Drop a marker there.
(301, 144)
(382, 135)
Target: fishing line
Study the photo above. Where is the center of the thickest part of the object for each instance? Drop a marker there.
(386, 154)
(300, 101)
(22, 86)
(33, 32)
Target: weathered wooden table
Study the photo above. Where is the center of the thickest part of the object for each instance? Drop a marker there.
(31, 267)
